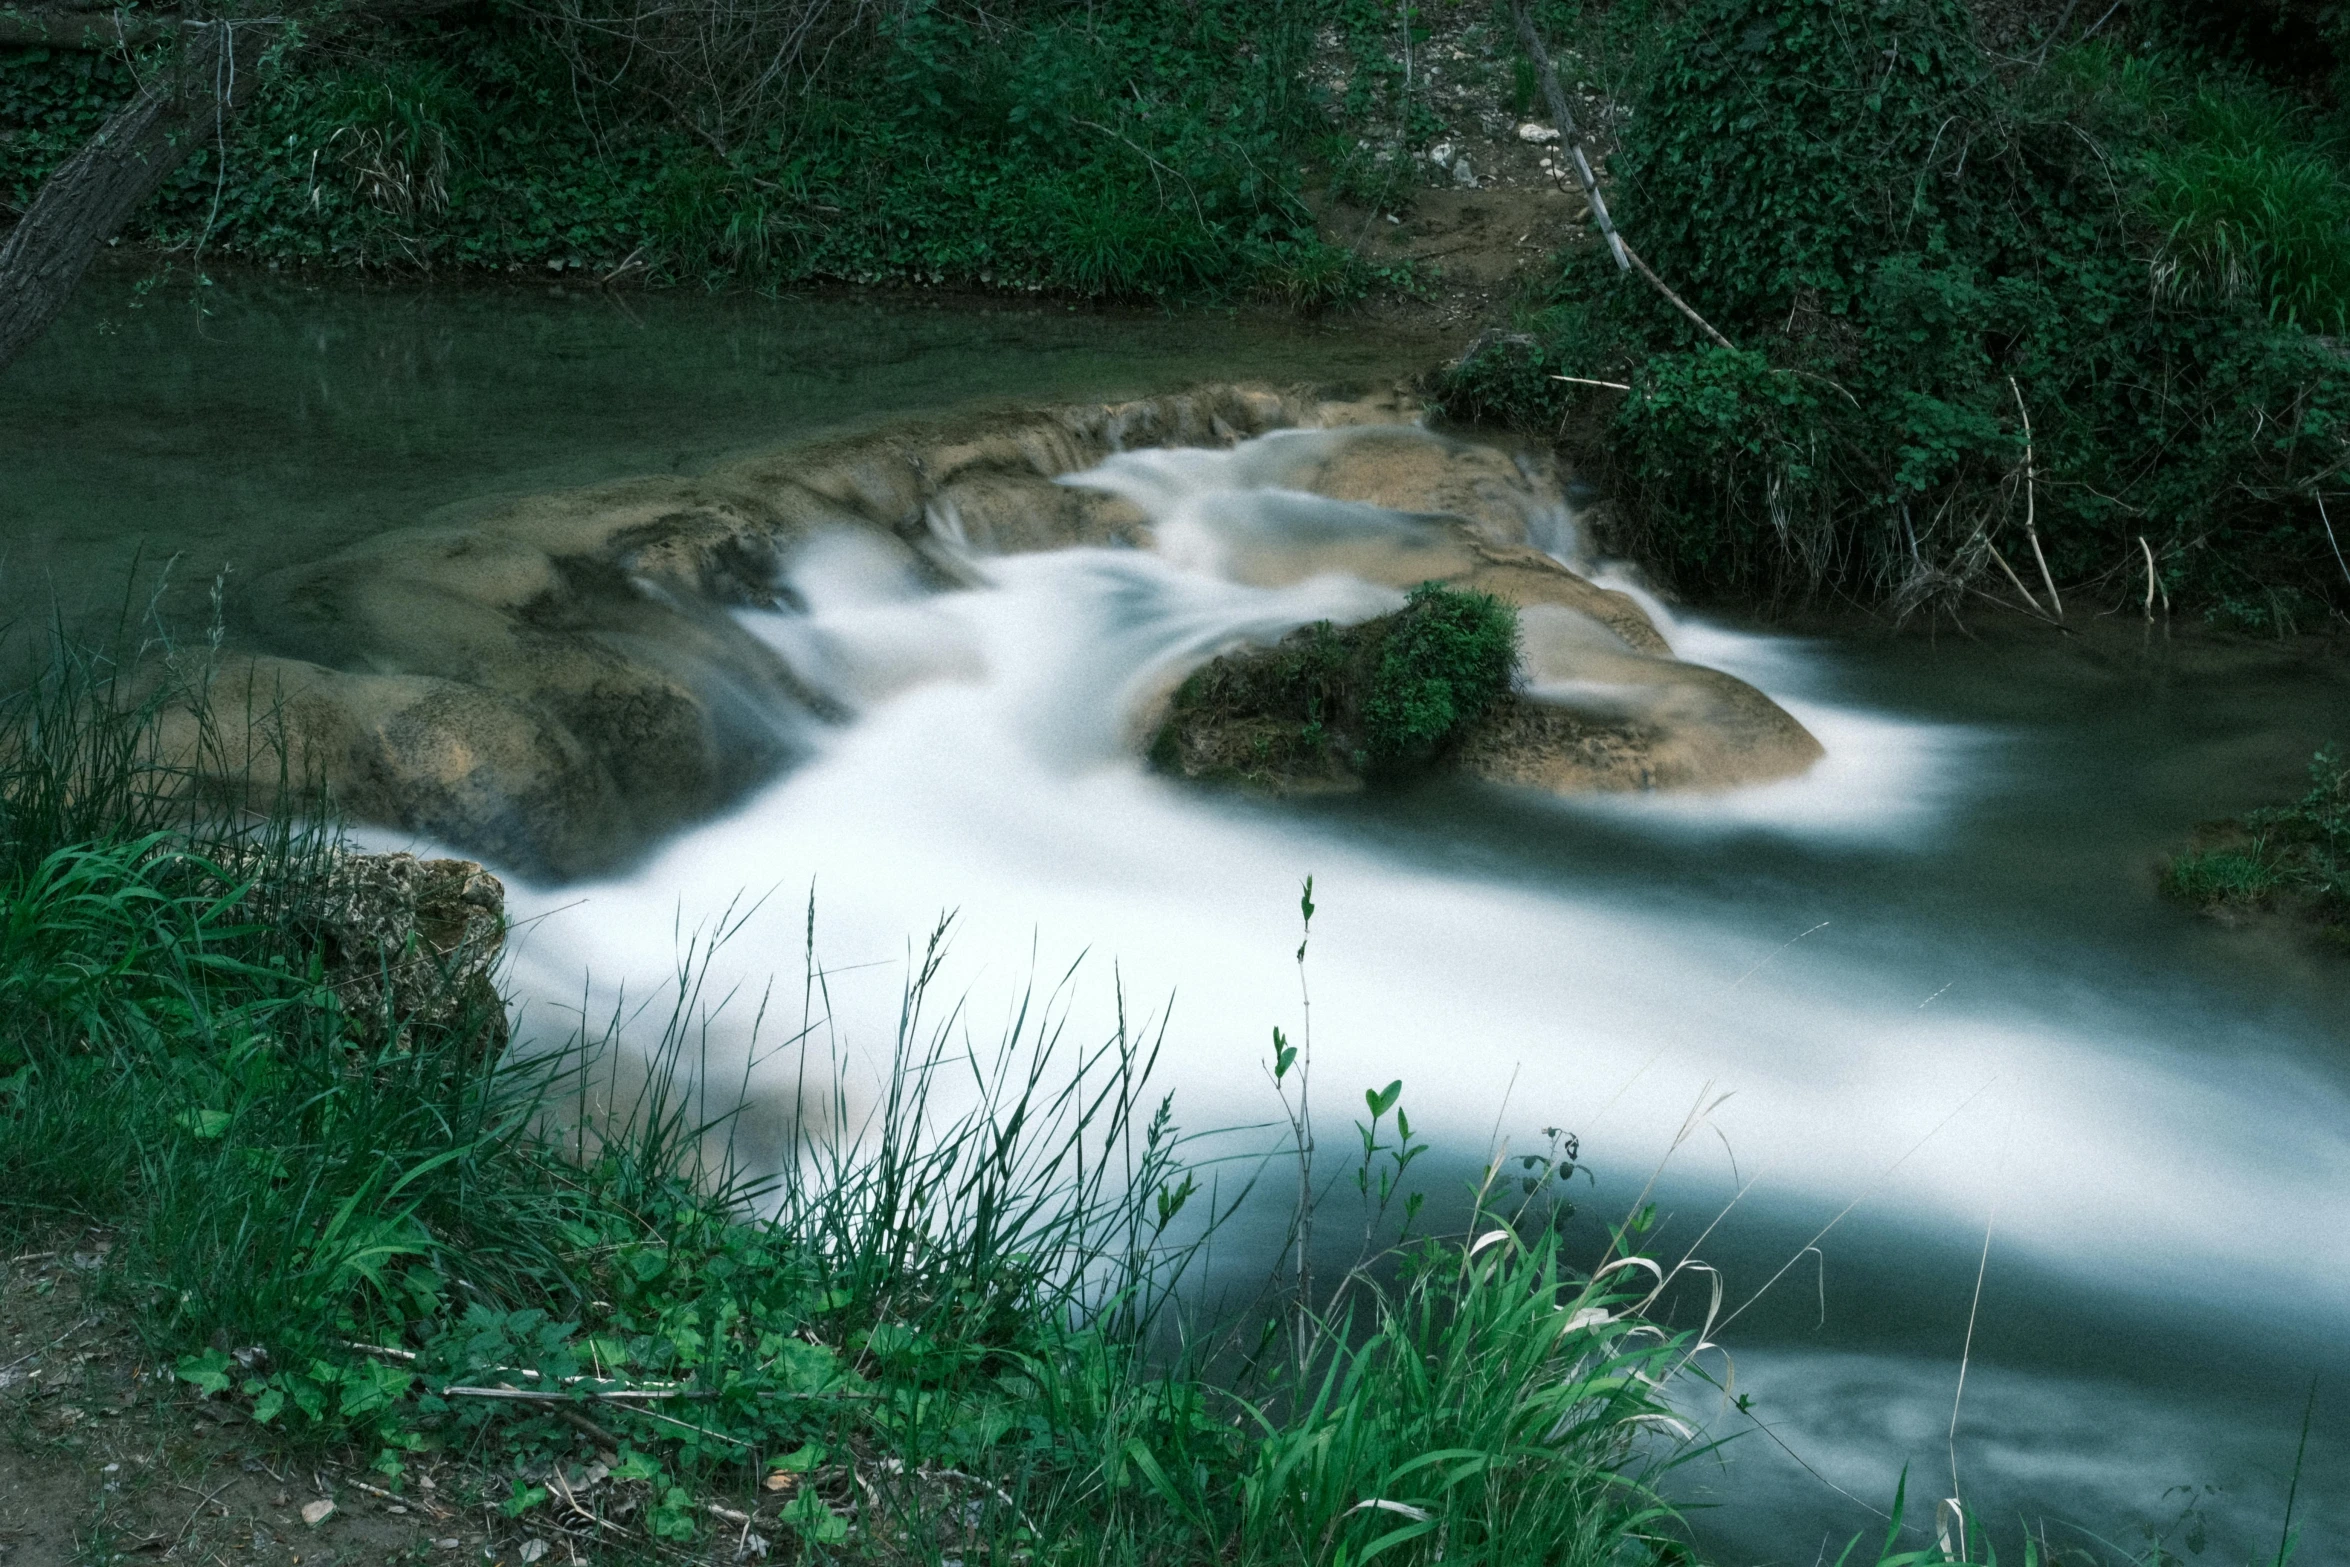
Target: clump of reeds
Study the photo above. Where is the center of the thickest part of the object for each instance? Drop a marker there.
(2295, 856)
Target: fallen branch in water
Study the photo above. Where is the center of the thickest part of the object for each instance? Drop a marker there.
(2330, 539)
(2152, 582)
(2030, 602)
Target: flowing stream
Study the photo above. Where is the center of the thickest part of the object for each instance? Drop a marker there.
(1913, 1021)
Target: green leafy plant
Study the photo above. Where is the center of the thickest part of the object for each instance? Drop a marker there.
(1125, 151)
(2297, 854)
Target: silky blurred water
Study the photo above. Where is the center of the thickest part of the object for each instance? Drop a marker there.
(1926, 992)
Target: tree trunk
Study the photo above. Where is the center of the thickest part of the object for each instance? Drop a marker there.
(93, 193)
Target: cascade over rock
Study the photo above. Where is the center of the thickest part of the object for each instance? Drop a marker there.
(565, 678)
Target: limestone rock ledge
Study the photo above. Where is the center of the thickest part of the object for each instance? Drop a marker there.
(559, 681)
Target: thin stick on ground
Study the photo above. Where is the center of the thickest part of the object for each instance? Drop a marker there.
(190, 1523)
(52, 1344)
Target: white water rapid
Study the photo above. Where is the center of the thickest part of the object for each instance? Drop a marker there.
(1519, 968)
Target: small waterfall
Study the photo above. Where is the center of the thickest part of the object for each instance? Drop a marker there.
(2137, 1144)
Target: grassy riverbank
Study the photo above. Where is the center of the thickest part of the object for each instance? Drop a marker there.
(346, 1245)
(1119, 150)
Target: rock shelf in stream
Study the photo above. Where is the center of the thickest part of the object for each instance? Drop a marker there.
(1292, 719)
(563, 679)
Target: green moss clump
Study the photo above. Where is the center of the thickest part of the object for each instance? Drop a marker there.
(1447, 659)
(2294, 856)
(1332, 707)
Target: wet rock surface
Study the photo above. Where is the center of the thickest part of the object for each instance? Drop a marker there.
(561, 682)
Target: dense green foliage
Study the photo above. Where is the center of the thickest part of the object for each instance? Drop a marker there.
(2297, 855)
(1916, 248)
(1329, 705)
(1107, 149)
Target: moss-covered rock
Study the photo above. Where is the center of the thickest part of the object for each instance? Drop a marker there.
(1583, 710)
(1329, 707)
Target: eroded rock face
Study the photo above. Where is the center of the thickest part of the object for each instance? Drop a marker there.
(562, 680)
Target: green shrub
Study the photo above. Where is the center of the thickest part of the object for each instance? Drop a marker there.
(2222, 876)
(1125, 150)
(2297, 854)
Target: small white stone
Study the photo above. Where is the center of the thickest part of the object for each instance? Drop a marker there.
(1441, 154)
(318, 1512)
(1463, 175)
(531, 1551)
(1530, 131)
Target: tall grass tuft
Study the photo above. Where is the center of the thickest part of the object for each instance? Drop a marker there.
(2254, 209)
